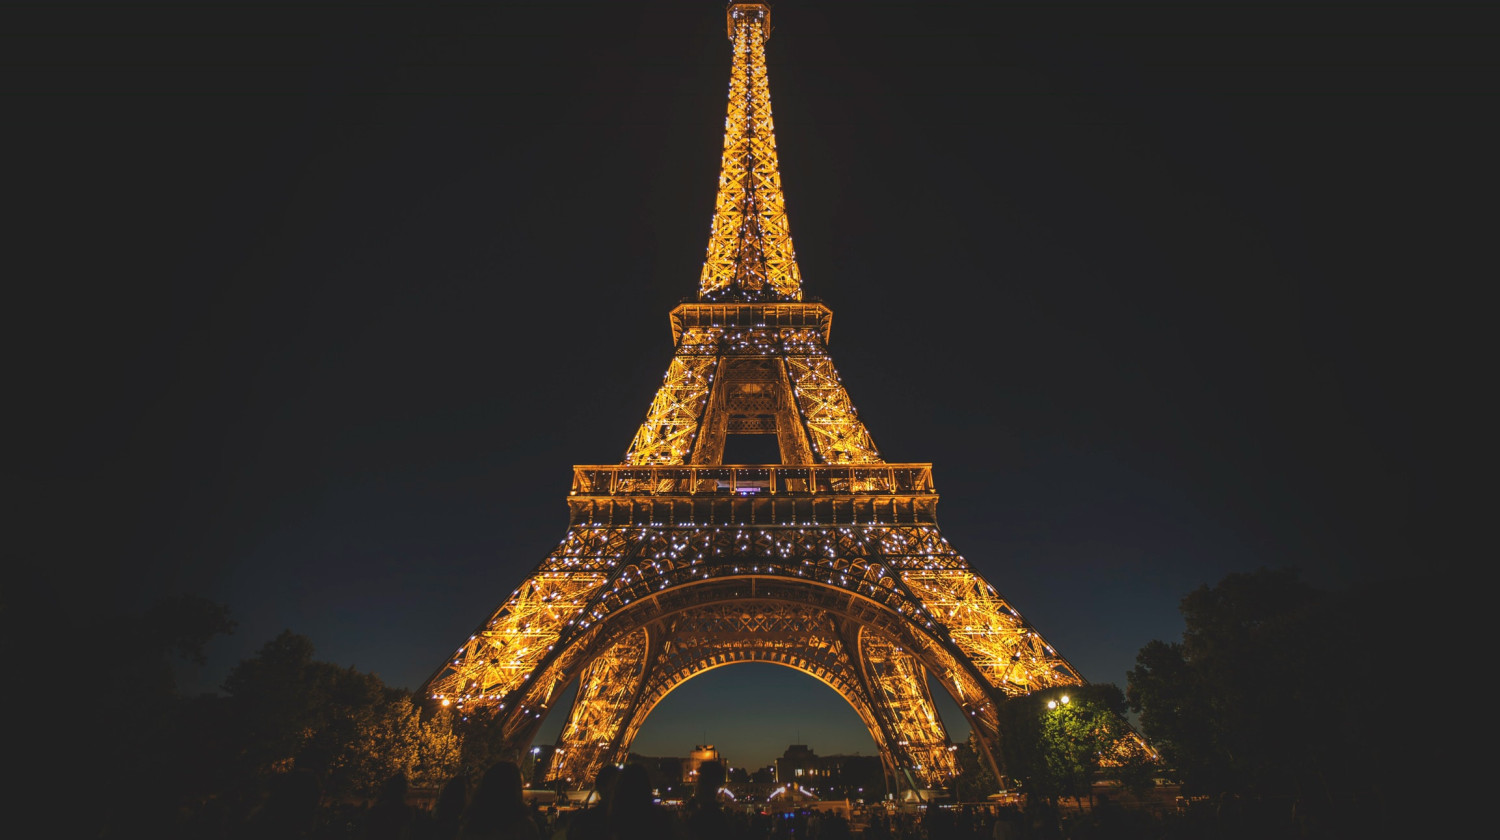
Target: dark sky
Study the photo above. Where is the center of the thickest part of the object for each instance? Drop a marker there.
(316, 305)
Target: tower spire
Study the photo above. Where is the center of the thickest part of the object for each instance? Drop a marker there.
(750, 256)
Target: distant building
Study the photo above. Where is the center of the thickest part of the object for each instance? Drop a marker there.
(670, 773)
(664, 772)
(800, 765)
(797, 763)
(700, 754)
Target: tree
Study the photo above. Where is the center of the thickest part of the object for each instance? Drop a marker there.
(975, 780)
(1180, 718)
(133, 720)
(1279, 688)
(1058, 741)
(348, 728)
(389, 737)
(169, 755)
(481, 741)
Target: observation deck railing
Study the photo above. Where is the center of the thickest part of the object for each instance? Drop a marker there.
(753, 480)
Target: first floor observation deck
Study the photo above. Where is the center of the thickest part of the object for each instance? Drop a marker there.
(753, 494)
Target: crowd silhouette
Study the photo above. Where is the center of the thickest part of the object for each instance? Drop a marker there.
(592, 823)
(498, 810)
(623, 806)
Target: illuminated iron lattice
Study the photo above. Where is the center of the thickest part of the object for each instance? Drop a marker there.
(750, 253)
(675, 563)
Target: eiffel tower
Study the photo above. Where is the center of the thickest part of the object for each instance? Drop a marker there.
(829, 562)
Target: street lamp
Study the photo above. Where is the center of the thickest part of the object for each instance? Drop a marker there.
(530, 765)
(1052, 704)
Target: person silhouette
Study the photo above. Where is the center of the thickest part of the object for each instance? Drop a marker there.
(633, 814)
(290, 809)
(390, 816)
(1007, 825)
(592, 823)
(498, 809)
(706, 819)
(443, 822)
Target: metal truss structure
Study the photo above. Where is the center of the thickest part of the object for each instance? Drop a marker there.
(750, 254)
(675, 563)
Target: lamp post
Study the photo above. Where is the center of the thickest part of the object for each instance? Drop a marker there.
(531, 762)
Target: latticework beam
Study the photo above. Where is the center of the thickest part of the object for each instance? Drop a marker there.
(901, 682)
(667, 435)
(1011, 655)
(609, 690)
(834, 428)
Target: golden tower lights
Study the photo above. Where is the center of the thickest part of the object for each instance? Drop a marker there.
(675, 563)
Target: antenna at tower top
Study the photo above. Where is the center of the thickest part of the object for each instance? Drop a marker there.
(760, 12)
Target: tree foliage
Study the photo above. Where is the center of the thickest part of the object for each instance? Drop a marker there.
(481, 742)
(346, 727)
(282, 712)
(130, 712)
(1059, 741)
(389, 737)
(1273, 688)
(975, 780)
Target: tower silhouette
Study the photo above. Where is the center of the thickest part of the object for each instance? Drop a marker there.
(829, 561)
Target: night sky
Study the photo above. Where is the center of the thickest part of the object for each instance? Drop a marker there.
(314, 306)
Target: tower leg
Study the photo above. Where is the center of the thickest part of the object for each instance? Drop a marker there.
(898, 683)
(595, 732)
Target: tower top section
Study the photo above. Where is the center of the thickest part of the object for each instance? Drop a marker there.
(750, 256)
(758, 13)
